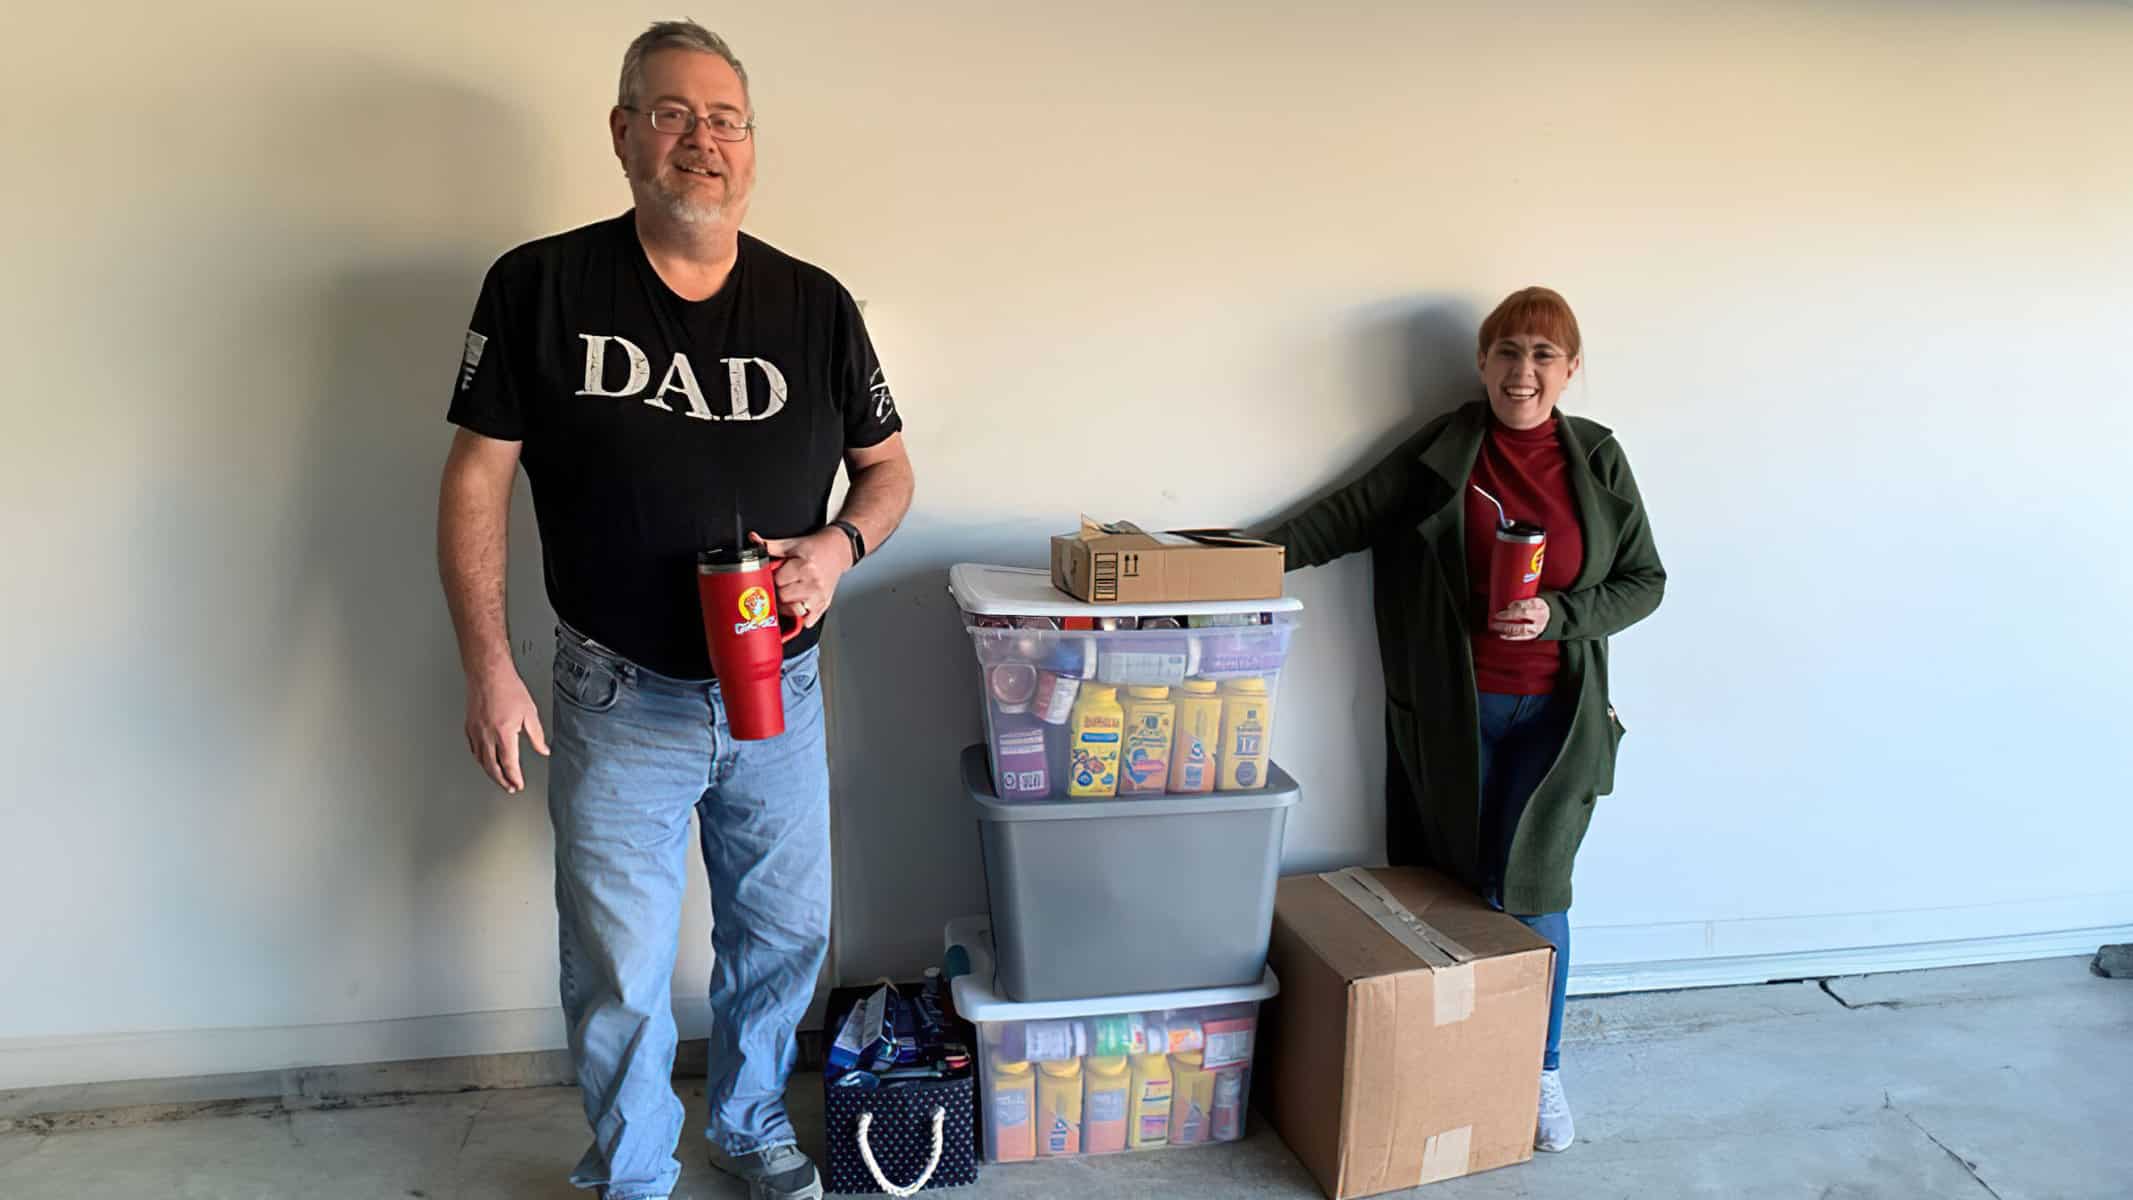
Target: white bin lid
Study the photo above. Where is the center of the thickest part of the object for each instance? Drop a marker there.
(989, 591)
(976, 1001)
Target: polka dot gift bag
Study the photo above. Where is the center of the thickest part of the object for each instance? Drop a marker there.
(898, 1137)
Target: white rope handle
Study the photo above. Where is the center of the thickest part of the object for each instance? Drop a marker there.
(866, 1155)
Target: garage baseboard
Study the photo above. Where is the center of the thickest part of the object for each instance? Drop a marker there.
(142, 1101)
(1666, 955)
(69, 1107)
(160, 1075)
(1676, 974)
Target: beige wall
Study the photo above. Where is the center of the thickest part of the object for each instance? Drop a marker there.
(1853, 281)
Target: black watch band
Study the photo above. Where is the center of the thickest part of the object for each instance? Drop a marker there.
(859, 543)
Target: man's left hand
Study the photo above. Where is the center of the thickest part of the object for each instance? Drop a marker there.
(1522, 621)
(808, 570)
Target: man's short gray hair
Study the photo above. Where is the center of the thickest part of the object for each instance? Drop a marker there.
(673, 35)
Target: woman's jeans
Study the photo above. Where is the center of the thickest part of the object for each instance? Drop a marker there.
(1520, 737)
(635, 753)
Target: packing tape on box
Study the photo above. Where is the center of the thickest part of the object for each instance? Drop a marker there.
(1451, 964)
(1447, 1155)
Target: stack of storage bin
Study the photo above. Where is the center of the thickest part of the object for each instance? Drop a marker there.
(1130, 818)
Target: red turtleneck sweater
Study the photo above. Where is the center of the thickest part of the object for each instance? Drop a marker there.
(1526, 470)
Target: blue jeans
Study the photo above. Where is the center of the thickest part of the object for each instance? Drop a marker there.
(634, 753)
(1520, 737)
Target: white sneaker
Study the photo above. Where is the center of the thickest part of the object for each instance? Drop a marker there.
(778, 1172)
(1556, 1131)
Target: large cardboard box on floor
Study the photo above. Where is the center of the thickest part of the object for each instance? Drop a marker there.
(1120, 563)
(1406, 1044)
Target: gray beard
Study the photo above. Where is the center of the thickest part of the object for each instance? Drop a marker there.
(678, 207)
(689, 212)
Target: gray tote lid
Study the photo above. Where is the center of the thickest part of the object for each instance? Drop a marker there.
(1280, 792)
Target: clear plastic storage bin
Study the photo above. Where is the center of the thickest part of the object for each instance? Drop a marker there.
(1072, 1077)
(1095, 701)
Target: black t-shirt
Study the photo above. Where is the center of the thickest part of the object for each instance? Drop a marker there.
(651, 422)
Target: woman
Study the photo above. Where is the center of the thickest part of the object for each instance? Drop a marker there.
(1500, 730)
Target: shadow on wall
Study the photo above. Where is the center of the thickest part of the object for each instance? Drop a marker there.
(427, 178)
(365, 552)
(1423, 351)
(907, 698)
(1419, 352)
(281, 695)
(905, 705)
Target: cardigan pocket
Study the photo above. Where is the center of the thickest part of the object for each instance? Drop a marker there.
(1400, 718)
(1615, 730)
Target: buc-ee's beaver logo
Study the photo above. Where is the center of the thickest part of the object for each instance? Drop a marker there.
(755, 611)
(1533, 570)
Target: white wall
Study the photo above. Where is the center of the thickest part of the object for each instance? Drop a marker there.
(1853, 282)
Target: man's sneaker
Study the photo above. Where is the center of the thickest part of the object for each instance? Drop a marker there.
(773, 1173)
(1556, 1132)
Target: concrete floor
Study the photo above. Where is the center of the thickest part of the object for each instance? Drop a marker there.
(1988, 1082)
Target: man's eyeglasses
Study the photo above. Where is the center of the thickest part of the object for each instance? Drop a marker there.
(724, 126)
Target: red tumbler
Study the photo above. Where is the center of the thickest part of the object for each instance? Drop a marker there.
(740, 601)
(1515, 564)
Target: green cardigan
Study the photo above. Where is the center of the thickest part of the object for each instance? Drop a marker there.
(1408, 510)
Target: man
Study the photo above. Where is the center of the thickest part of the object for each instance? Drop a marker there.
(665, 378)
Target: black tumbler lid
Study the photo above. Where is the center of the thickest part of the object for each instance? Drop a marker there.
(1521, 531)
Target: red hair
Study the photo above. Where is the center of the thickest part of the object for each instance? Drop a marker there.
(1534, 312)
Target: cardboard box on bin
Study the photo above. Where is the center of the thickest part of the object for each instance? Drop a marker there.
(1405, 1047)
(1120, 563)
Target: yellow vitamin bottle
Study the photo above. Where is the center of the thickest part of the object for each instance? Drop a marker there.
(1148, 1102)
(1247, 728)
(1098, 729)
